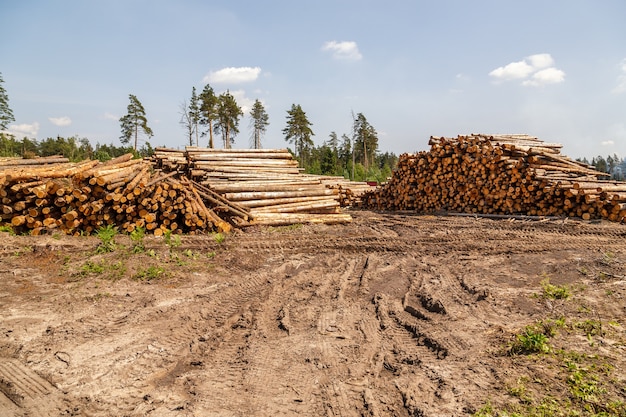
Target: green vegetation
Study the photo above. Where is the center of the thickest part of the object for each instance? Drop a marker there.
(133, 122)
(554, 292)
(531, 340)
(7, 228)
(219, 237)
(137, 237)
(585, 384)
(150, 273)
(107, 237)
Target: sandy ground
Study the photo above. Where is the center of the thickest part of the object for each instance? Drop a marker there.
(393, 314)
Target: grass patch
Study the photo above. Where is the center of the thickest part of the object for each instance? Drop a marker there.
(531, 340)
(555, 292)
(150, 273)
(107, 239)
(7, 228)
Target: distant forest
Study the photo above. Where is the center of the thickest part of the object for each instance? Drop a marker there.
(331, 158)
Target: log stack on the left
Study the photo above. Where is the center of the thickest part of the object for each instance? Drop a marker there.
(45, 194)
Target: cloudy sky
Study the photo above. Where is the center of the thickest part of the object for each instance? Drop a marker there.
(554, 69)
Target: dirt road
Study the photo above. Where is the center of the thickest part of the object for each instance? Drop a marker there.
(393, 314)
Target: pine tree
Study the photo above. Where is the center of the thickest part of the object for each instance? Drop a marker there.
(134, 121)
(228, 114)
(298, 130)
(365, 141)
(259, 122)
(208, 111)
(6, 114)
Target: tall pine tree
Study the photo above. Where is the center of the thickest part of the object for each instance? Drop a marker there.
(228, 114)
(259, 120)
(298, 130)
(208, 111)
(134, 121)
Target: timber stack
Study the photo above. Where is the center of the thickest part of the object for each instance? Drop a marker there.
(499, 174)
(267, 182)
(127, 193)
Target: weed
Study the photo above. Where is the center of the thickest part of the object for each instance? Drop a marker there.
(91, 268)
(151, 253)
(554, 292)
(172, 241)
(530, 341)
(485, 411)
(219, 238)
(590, 327)
(150, 273)
(211, 255)
(549, 327)
(107, 238)
(8, 229)
(137, 236)
(583, 384)
(190, 254)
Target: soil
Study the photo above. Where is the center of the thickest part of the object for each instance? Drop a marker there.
(393, 314)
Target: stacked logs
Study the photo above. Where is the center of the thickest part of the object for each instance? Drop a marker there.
(267, 182)
(499, 174)
(82, 197)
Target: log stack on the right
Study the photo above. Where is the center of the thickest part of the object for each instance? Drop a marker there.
(499, 174)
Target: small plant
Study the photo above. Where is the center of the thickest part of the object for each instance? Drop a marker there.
(590, 327)
(137, 236)
(211, 255)
(219, 238)
(107, 238)
(554, 292)
(7, 228)
(150, 274)
(486, 411)
(91, 268)
(172, 241)
(530, 341)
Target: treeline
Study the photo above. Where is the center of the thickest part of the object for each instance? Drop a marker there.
(74, 148)
(341, 158)
(612, 164)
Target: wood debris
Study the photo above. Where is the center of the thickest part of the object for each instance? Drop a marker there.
(499, 174)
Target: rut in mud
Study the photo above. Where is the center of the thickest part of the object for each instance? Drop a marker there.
(392, 314)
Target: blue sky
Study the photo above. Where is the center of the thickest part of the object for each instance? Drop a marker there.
(555, 69)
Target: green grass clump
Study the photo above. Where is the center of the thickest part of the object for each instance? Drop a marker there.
(150, 273)
(531, 340)
(555, 292)
(107, 239)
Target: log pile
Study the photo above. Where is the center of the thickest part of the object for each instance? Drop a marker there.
(77, 198)
(499, 174)
(267, 182)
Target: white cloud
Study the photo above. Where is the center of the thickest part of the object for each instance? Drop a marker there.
(536, 70)
(513, 71)
(347, 50)
(607, 143)
(546, 76)
(540, 61)
(232, 75)
(24, 129)
(243, 101)
(60, 121)
(621, 78)
(110, 116)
